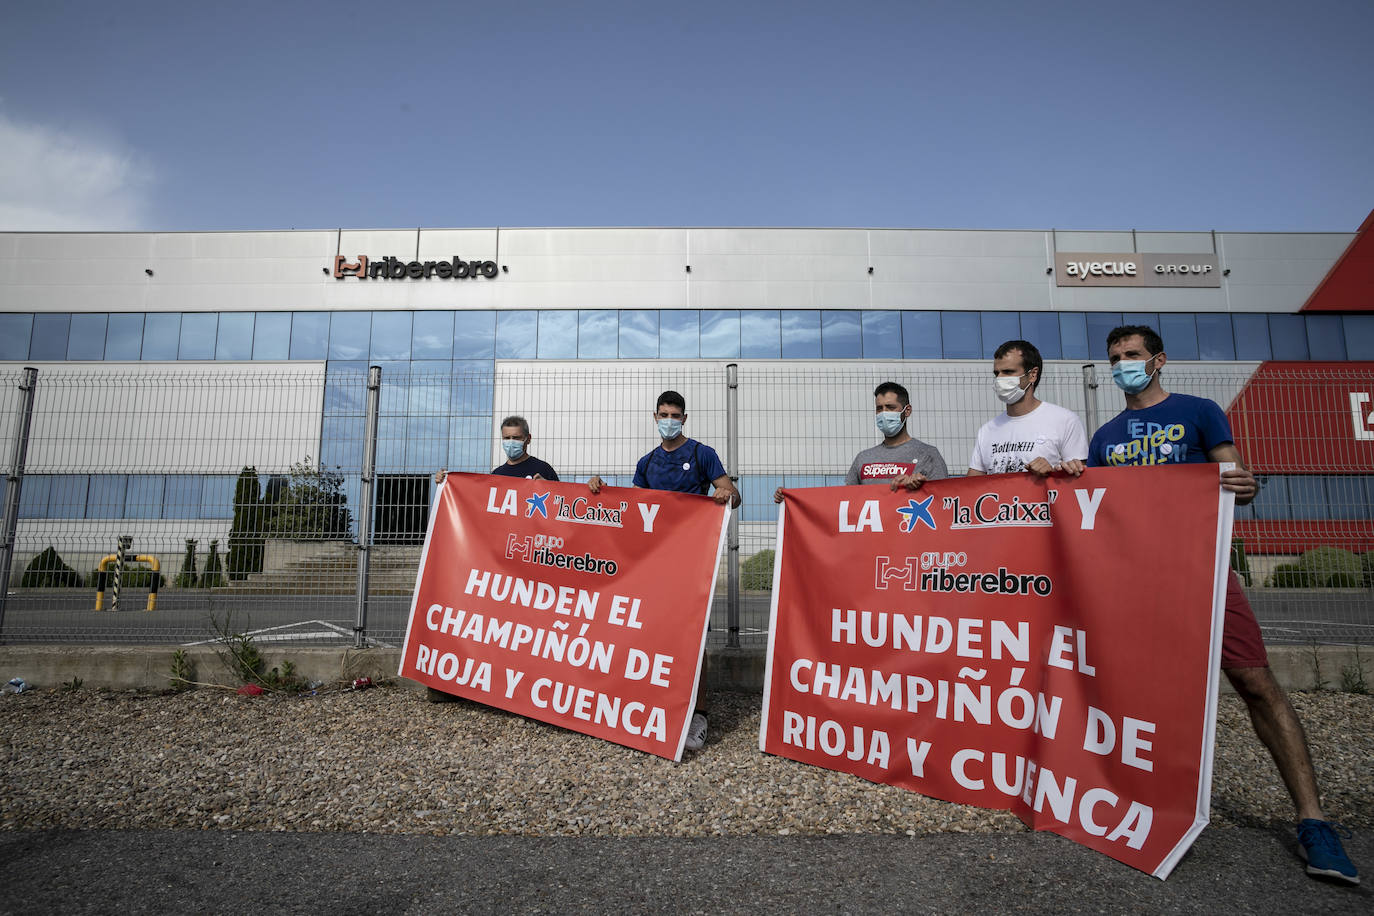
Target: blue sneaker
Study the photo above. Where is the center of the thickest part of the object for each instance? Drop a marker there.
(1321, 846)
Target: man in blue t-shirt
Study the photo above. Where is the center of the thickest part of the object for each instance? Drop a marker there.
(1162, 428)
(682, 465)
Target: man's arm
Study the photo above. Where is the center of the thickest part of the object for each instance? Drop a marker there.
(725, 491)
(1238, 480)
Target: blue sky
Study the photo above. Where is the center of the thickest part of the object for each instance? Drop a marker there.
(1001, 115)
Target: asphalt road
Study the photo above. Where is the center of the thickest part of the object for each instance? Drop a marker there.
(72, 872)
(1286, 616)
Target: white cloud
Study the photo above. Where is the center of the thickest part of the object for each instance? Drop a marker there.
(62, 179)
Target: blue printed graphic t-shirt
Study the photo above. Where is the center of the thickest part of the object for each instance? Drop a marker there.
(689, 468)
(1181, 429)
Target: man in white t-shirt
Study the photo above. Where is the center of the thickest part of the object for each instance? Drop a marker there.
(1033, 435)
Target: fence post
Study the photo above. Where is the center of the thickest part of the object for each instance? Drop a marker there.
(374, 386)
(126, 542)
(1090, 396)
(13, 483)
(732, 534)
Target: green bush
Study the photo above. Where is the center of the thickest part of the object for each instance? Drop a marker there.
(757, 571)
(1321, 567)
(187, 577)
(213, 576)
(46, 570)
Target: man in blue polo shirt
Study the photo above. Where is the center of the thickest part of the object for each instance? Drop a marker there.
(682, 465)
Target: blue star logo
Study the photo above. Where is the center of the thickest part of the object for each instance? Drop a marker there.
(536, 503)
(914, 512)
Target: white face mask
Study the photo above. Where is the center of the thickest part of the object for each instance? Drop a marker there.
(1008, 388)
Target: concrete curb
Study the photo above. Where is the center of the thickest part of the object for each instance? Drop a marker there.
(740, 670)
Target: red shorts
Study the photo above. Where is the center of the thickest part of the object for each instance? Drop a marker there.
(1242, 646)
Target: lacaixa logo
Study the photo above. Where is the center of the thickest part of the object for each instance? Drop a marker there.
(390, 268)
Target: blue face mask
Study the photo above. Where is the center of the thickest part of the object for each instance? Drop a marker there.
(669, 429)
(514, 448)
(889, 423)
(1130, 375)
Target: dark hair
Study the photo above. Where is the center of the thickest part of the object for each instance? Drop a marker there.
(517, 421)
(893, 388)
(672, 399)
(1152, 340)
(1030, 357)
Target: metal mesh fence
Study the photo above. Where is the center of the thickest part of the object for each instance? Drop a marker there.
(246, 487)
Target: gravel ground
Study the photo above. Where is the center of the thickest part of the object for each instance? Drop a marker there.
(387, 761)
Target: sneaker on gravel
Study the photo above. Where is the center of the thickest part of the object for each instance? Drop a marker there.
(696, 734)
(1320, 845)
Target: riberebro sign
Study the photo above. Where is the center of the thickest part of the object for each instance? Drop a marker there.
(1012, 643)
(585, 611)
(1073, 268)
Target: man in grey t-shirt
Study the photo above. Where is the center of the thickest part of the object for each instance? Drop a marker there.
(899, 460)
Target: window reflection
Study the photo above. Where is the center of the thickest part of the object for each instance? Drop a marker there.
(124, 337)
(50, 336)
(720, 334)
(87, 339)
(15, 331)
(474, 335)
(198, 335)
(840, 335)
(234, 340)
(639, 334)
(1042, 329)
(105, 499)
(962, 335)
(760, 335)
(1180, 336)
(143, 496)
(801, 334)
(1099, 326)
(1252, 336)
(558, 335)
(1359, 336)
(595, 334)
(431, 336)
(181, 496)
(516, 335)
(1288, 336)
(679, 334)
(1214, 337)
(272, 335)
(348, 335)
(161, 338)
(1324, 339)
(310, 335)
(882, 335)
(1073, 334)
(921, 335)
(390, 335)
(998, 328)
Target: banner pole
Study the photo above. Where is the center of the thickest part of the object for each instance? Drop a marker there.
(732, 537)
(1090, 396)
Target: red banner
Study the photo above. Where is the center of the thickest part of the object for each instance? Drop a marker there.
(588, 612)
(1050, 647)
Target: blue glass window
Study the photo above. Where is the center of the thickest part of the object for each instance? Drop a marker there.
(124, 337)
(272, 335)
(760, 334)
(882, 335)
(998, 328)
(473, 386)
(679, 334)
(1288, 336)
(431, 337)
(1252, 336)
(1349, 497)
(198, 331)
(345, 388)
(309, 336)
(720, 334)
(390, 335)
(341, 442)
(1324, 337)
(33, 496)
(235, 337)
(801, 334)
(961, 335)
(474, 335)
(1214, 337)
(639, 334)
(429, 388)
(426, 443)
(1359, 336)
(349, 334)
(1180, 335)
(161, 337)
(596, 334)
(1149, 319)
(558, 334)
(470, 444)
(105, 499)
(15, 331)
(1073, 332)
(1100, 324)
(143, 497)
(181, 498)
(217, 497)
(1271, 502)
(517, 335)
(395, 388)
(87, 340)
(67, 497)
(1042, 329)
(50, 336)
(391, 444)
(841, 336)
(1307, 496)
(921, 335)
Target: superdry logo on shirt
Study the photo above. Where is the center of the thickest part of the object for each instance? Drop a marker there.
(884, 470)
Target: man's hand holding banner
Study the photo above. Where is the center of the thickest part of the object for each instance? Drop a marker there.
(1050, 647)
(588, 612)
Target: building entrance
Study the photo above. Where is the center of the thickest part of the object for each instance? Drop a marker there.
(402, 509)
